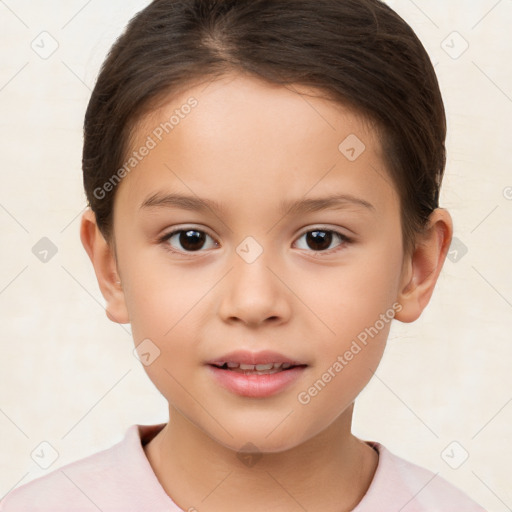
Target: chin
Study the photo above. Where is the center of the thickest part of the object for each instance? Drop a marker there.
(258, 437)
(255, 443)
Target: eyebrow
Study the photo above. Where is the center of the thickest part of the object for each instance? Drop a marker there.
(301, 206)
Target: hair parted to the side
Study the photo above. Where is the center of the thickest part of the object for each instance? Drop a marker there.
(357, 52)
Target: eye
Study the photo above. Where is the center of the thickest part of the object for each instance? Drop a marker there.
(321, 240)
(190, 240)
(193, 240)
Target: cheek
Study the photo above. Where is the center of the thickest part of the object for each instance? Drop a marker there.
(164, 323)
(356, 303)
(161, 296)
(351, 298)
(341, 374)
(164, 302)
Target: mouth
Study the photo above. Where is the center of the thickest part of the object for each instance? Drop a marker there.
(256, 369)
(256, 374)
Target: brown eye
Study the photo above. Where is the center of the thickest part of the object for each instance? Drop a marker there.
(187, 240)
(191, 240)
(321, 240)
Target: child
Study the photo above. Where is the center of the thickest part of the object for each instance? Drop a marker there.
(260, 130)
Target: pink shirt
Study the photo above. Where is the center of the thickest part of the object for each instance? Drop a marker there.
(120, 479)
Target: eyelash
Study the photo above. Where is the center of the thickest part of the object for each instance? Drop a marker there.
(344, 240)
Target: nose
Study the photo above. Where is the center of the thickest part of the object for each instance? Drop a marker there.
(254, 293)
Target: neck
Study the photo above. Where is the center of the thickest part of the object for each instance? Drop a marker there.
(331, 471)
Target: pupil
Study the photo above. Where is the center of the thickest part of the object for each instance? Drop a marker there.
(319, 240)
(191, 239)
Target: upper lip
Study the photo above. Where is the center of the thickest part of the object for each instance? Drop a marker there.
(254, 358)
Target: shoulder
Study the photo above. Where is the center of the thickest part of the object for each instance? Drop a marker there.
(107, 480)
(401, 485)
(75, 484)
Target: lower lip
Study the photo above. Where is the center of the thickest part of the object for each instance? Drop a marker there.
(256, 386)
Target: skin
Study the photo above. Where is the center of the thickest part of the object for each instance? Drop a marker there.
(248, 145)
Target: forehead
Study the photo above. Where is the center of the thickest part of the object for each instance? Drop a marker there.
(246, 138)
(293, 111)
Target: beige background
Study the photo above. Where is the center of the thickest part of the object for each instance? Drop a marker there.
(69, 376)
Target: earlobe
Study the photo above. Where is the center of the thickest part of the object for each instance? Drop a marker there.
(421, 269)
(105, 268)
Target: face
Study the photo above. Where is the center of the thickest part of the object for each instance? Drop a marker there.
(262, 229)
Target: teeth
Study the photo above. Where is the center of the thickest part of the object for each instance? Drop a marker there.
(258, 367)
(261, 367)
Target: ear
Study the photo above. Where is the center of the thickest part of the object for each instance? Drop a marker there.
(105, 267)
(421, 269)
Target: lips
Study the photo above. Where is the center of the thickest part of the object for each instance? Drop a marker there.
(256, 374)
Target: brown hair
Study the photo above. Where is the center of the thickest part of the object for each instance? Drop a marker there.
(359, 52)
